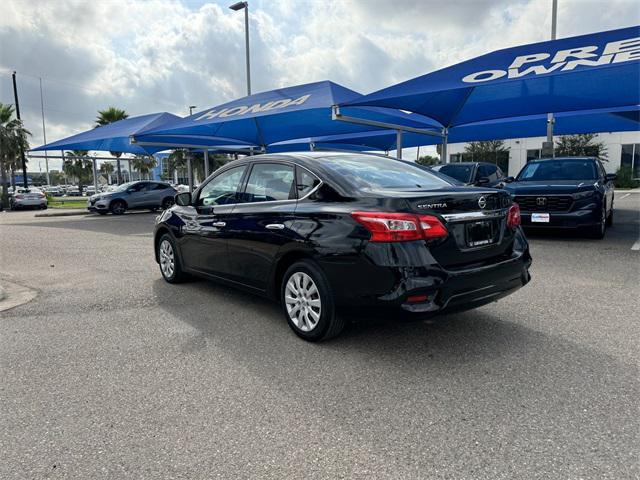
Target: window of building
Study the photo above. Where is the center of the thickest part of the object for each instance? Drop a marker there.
(533, 154)
(631, 158)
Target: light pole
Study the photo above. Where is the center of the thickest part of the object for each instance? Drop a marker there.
(548, 147)
(245, 6)
(191, 108)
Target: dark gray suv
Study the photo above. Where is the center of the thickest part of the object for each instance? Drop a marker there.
(132, 196)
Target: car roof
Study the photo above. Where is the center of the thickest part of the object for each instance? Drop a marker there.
(535, 160)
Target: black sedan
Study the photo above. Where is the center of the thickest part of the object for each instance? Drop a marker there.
(482, 174)
(323, 230)
(565, 192)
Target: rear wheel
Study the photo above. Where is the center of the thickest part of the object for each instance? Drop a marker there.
(118, 207)
(308, 303)
(170, 266)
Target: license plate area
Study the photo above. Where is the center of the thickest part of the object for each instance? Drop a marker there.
(481, 233)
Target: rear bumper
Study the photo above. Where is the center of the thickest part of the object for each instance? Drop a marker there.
(577, 219)
(362, 285)
(30, 203)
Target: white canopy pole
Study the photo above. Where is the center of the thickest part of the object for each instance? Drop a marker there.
(206, 163)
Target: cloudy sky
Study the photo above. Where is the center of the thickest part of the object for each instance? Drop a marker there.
(164, 55)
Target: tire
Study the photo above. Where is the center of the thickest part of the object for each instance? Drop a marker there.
(44, 207)
(101, 212)
(167, 203)
(169, 260)
(118, 207)
(308, 304)
(610, 218)
(598, 231)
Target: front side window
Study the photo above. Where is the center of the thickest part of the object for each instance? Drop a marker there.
(488, 171)
(269, 182)
(221, 190)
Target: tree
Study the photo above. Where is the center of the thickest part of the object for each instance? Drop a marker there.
(13, 141)
(105, 117)
(107, 169)
(492, 151)
(428, 160)
(143, 164)
(581, 145)
(78, 165)
(177, 160)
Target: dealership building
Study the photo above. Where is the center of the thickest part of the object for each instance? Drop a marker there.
(622, 148)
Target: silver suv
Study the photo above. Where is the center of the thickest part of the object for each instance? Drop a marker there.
(131, 196)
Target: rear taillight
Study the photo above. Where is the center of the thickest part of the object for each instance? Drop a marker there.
(400, 227)
(513, 216)
(42, 195)
(19, 197)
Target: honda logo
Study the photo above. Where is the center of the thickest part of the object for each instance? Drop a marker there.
(541, 201)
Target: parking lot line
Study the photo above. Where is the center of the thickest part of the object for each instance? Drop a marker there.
(624, 196)
(636, 246)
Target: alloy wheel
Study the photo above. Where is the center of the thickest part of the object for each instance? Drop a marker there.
(302, 300)
(167, 259)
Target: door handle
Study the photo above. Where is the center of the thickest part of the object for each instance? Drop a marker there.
(219, 224)
(275, 226)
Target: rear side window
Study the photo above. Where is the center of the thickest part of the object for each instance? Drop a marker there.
(159, 186)
(221, 190)
(269, 182)
(462, 173)
(306, 182)
(371, 172)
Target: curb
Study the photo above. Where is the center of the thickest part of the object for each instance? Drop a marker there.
(63, 214)
(630, 190)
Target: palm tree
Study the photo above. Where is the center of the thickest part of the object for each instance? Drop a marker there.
(107, 169)
(143, 164)
(13, 141)
(177, 160)
(105, 117)
(78, 165)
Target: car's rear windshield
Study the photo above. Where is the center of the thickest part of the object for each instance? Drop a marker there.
(574, 169)
(371, 172)
(462, 173)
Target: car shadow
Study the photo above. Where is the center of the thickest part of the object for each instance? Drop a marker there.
(131, 223)
(483, 363)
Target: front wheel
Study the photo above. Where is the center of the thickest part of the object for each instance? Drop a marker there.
(308, 303)
(118, 207)
(167, 203)
(598, 230)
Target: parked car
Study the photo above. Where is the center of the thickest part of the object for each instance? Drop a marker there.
(28, 197)
(54, 191)
(132, 196)
(89, 190)
(565, 192)
(324, 230)
(473, 173)
(72, 191)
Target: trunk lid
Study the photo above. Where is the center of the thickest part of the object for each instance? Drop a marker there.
(474, 217)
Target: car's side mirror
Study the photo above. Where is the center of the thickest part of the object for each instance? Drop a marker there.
(183, 199)
(482, 181)
(610, 177)
(508, 179)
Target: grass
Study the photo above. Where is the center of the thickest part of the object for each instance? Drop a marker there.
(57, 202)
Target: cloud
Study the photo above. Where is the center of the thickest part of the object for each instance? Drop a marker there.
(164, 55)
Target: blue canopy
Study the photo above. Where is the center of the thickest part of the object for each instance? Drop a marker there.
(599, 70)
(278, 115)
(622, 119)
(113, 137)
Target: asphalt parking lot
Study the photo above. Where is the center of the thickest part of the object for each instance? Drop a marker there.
(111, 373)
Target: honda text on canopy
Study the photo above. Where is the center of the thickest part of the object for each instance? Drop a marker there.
(324, 230)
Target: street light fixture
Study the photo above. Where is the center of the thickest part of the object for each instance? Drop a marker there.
(239, 6)
(191, 107)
